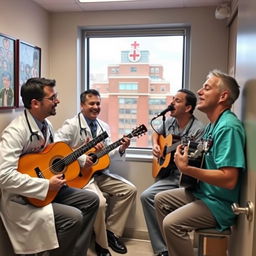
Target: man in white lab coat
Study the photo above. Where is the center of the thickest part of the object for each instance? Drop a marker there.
(61, 228)
(76, 131)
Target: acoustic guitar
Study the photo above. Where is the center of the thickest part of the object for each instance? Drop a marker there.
(101, 159)
(56, 158)
(167, 145)
(196, 153)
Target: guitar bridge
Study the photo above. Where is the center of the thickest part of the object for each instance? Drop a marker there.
(39, 173)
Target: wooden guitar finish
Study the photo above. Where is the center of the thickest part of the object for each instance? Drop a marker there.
(56, 158)
(101, 159)
(166, 148)
(196, 152)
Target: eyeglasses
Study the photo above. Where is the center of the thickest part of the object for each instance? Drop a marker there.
(53, 98)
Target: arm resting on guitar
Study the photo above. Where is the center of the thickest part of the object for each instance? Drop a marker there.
(225, 177)
(156, 146)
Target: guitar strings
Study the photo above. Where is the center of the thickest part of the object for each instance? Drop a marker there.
(61, 162)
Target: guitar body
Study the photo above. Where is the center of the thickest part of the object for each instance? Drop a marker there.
(164, 160)
(46, 164)
(101, 159)
(86, 173)
(187, 181)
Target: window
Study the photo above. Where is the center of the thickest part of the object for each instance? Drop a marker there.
(133, 69)
(136, 71)
(127, 101)
(128, 86)
(153, 101)
(127, 111)
(154, 70)
(114, 70)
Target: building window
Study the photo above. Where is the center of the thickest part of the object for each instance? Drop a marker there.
(128, 111)
(161, 102)
(154, 70)
(128, 86)
(133, 69)
(127, 101)
(162, 89)
(131, 94)
(115, 70)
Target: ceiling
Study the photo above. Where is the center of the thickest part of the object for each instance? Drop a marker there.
(76, 6)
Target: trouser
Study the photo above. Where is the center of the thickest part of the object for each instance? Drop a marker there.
(147, 201)
(74, 211)
(121, 198)
(99, 224)
(179, 212)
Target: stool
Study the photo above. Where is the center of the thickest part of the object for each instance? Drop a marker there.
(209, 232)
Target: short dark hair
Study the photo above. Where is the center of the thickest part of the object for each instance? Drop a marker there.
(190, 99)
(34, 89)
(88, 92)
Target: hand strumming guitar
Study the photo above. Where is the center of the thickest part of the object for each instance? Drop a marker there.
(181, 158)
(89, 158)
(56, 182)
(156, 151)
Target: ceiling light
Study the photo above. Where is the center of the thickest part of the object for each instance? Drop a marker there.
(98, 1)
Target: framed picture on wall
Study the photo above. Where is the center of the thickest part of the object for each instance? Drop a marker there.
(29, 65)
(7, 72)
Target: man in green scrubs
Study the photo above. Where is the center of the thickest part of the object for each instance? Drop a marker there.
(209, 204)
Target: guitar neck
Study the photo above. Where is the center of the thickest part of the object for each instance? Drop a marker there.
(110, 147)
(172, 147)
(81, 150)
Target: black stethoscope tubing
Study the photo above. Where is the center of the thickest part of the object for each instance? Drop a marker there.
(32, 133)
(83, 129)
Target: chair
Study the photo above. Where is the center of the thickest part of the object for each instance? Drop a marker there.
(212, 233)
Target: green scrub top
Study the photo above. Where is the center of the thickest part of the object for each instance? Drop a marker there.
(227, 150)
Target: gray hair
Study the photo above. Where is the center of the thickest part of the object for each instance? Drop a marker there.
(228, 83)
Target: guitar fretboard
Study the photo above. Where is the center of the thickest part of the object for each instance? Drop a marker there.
(80, 151)
(110, 147)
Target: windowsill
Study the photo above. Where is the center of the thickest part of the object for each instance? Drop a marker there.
(139, 155)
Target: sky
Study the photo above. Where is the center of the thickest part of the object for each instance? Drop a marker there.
(164, 50)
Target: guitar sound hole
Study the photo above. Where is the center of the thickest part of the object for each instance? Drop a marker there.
(58, 165)
(161, 160)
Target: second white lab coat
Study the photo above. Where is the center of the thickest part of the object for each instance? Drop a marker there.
(75, 132)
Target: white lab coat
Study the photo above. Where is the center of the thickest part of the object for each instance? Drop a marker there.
(30, 229)
(75, 134)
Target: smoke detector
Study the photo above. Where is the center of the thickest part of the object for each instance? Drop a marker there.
(222, 11)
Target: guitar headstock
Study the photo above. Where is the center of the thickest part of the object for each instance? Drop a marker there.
(142, 129)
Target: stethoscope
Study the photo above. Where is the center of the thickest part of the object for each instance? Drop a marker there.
(184, 134)
(83, 129)
(32, 133)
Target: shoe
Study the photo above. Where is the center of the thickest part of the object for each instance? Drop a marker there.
(165, 253)
(115, 243)
(101, 251)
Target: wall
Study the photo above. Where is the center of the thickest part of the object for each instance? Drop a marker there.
(58, 36)
(244, 235)
(140, 175)
(209, 50)
(209, 46)
(24, 20)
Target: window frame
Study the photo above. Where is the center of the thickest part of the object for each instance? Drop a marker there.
(134, 153)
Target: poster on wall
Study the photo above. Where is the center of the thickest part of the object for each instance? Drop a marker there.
(7, 71)
(29, 65)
